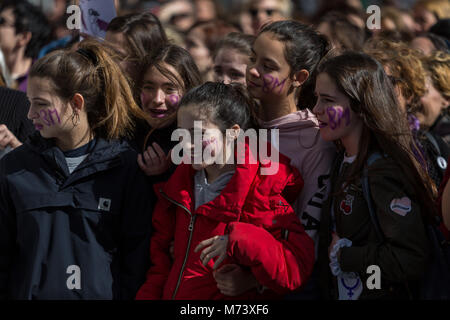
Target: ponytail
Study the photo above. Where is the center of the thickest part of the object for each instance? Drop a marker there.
(91, 72)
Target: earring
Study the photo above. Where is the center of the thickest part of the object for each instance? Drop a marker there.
(75, 118)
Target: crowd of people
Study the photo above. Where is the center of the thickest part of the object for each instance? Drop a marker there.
(94, 206)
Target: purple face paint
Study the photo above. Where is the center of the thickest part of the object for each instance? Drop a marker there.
(43, 114)
(47, 116)
(267, 81)
(54, 111)
(278, 84)
(270, 84)
(335, 116)
(174, 100)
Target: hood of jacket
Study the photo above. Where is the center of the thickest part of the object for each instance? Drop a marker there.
(292, 122)
(102, 151)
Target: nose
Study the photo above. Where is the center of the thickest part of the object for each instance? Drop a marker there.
(317, 109)
(226, 79)
(32, 114)
(253, 71)
(159, 97)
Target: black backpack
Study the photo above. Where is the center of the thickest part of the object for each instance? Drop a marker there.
(436, 281)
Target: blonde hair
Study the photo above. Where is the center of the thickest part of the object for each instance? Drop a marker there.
(91, 72)
(441, 8)
(404, 64)
(438, 65)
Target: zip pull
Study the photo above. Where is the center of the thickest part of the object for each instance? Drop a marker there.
(191, 224)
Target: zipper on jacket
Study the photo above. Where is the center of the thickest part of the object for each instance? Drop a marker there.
(190, 229)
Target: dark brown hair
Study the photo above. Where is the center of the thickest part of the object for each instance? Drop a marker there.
(184, 65)
(343, 32)
(91, 72)
(236, 40)
(372, 98)
(303, 49)
(143, 32)
(213, 31)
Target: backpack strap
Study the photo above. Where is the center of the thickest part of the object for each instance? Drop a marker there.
(367, 195)
(433, 142)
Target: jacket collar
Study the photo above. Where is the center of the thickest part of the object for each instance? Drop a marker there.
(104, 151)
(230, 201)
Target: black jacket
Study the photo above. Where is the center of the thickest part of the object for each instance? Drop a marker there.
(402, 256)
(83, 235)
(162, 137)
(14, 106)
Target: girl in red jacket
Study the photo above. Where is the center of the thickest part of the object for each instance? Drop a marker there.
(221, 213)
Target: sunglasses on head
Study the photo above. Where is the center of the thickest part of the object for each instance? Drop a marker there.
(269, 12)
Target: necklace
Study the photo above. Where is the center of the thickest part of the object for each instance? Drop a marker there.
(350, 289)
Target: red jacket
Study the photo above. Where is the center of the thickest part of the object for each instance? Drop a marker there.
(265, 235)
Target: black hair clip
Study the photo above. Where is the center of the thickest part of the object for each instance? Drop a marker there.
(89, 55)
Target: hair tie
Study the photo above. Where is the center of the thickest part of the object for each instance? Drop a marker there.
(89, 55)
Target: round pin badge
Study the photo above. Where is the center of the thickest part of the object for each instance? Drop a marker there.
(442, 163)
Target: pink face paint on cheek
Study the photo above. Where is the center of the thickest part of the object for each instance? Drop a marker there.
(174, 100)
(206, 143)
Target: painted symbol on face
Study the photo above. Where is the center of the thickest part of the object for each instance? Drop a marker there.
(270, 84)
(174, 100)
(47, 116)
(335, 115)
(267, 81)
(212, 143)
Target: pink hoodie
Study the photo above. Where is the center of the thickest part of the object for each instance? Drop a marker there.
(300, 140)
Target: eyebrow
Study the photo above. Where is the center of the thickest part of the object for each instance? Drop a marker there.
(236, 70)
(267, 59)
(272, 61)
(168, 83)
(40, 99)
(326, 95)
